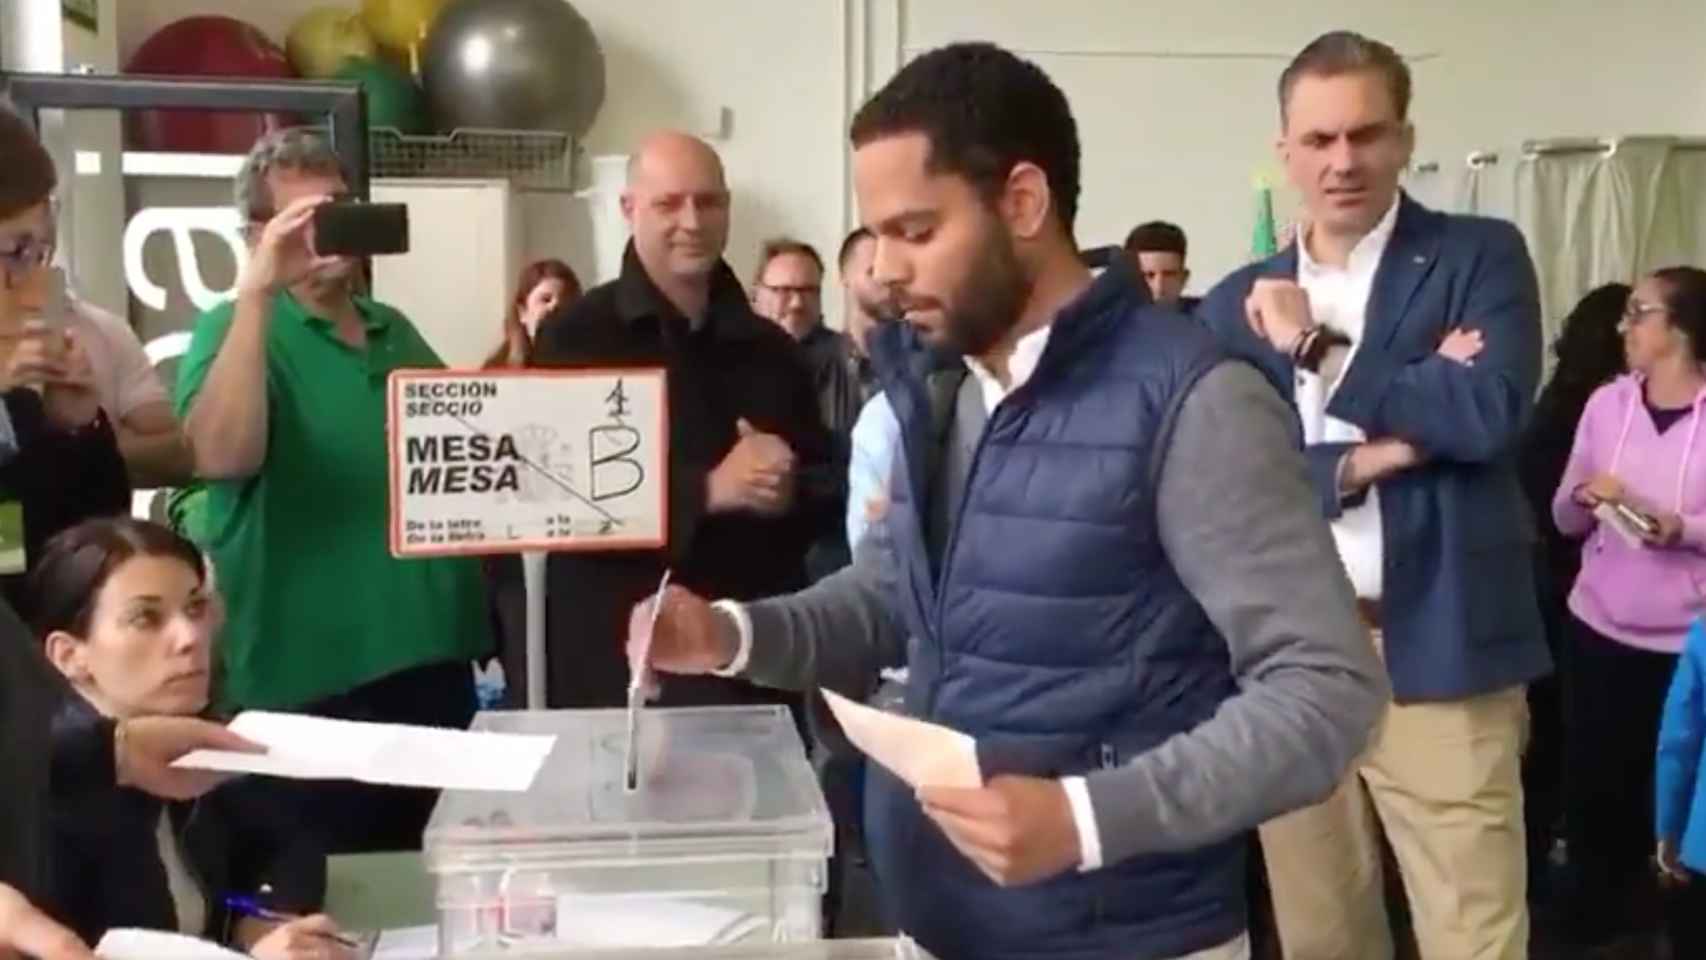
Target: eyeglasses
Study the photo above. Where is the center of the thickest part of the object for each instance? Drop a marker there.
(28, 254)
(1636, 310)
(804, 293)
(33, 249)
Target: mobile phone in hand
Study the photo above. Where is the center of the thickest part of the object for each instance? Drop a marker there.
(1635, 518)
(43, 296)
(350, 228)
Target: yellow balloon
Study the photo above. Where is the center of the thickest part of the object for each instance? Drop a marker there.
(324, 37)
(399, 25)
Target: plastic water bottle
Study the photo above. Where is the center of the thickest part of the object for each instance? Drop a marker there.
(490, 686)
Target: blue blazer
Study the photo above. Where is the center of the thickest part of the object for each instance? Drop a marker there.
(1681, 811)
(1459, 616)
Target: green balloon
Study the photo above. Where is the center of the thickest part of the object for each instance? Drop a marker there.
(393, 100)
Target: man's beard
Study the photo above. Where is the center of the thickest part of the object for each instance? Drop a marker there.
(988, 302)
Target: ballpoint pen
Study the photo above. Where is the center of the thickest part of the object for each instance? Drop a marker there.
(249, 907)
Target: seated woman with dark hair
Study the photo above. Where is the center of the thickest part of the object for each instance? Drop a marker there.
(124, 611)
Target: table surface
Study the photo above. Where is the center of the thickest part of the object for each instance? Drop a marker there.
(379, 891)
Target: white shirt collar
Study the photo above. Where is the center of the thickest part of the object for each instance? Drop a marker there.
(1027, 352)
(1367, 252)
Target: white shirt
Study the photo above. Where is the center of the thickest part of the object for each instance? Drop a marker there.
(188, 901)
(1338, 297)
(1027, 351)
(876, 433)
(124, 379)
(876, 437)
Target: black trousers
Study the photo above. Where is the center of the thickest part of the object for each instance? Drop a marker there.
(1613, 706)
(1543, 761)
(350, 817)
(1685, 918)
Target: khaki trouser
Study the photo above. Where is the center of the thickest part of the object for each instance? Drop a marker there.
(1236, 949)
(1443, 780)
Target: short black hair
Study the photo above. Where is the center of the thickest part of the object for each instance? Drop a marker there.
(849, 244)
(1685, 298)
(1341, 52)
(983, 111)
(1156, 236)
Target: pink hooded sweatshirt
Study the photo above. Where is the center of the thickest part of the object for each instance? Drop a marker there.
(1643, 596)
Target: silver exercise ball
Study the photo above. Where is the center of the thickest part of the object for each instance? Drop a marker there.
(513, 64)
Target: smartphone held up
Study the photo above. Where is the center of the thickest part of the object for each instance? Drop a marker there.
(351, 228)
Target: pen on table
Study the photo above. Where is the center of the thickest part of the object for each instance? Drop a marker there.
(247, 907)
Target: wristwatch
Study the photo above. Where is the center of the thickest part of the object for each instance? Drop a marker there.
(1313, 347)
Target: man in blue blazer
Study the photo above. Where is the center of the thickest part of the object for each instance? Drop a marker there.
(1409, 343)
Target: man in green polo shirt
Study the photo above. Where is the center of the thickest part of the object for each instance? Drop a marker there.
(282, 395)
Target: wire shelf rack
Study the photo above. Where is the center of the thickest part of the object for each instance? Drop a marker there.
(539, 159)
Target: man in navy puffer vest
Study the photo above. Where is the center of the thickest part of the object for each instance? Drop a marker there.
(1102, 543)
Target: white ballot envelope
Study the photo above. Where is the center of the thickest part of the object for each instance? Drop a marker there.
(407, 943)
(315, 748)
(617, 921)
(129, 944)
(920, 753)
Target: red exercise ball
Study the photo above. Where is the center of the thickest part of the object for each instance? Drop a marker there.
(205, 47)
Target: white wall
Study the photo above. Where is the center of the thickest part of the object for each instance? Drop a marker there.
(32, 37)
(1174, 100)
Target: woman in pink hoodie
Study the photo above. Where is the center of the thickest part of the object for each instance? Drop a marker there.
(1635, 487)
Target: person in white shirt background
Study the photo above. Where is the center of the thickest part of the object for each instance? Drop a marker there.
(125, 382)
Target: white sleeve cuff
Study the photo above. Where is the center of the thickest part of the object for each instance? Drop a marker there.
(1084, 817)
(8, 437)
(743, 626)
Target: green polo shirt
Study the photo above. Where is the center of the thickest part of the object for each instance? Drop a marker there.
(317, 604)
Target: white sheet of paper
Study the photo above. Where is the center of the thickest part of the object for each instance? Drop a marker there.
(639, 678)
(129, 944)
(606, 921)
(315, 748)
(923, 754)
(407, 943)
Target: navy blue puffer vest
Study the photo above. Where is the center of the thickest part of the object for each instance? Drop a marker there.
(1054, 630)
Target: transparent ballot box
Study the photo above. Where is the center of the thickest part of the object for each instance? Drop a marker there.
(901, 949)
(725, 841)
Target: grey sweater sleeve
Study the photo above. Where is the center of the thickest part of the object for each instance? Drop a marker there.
(837, 633)
(1242, 528)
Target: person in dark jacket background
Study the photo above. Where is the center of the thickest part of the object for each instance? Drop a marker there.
(68, 464)
(788, 291)
(751, 484)
(125, 614)
(1589, 350)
